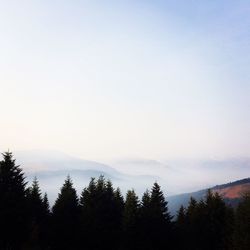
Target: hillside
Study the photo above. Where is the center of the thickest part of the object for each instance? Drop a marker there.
(231, 192)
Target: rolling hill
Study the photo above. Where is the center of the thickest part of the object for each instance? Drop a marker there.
(231, 193)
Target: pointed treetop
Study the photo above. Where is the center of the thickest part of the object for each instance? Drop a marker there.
(158, 203)
(101, 183)
(10, 172)
(181, 216)
(45, 203)
(118, 196)
(67, 197)
(146, 198)
(35, 189)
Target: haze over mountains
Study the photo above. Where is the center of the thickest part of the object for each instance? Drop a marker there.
(175, 176)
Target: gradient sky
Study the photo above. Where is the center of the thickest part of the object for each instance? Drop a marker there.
(115, 79)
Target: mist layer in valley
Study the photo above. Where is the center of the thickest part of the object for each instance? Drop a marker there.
(174, 176)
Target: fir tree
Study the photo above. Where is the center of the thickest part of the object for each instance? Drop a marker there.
(45, 204)
(181, 216)
(242, 227)
(89, 222)
(46, 223)
(131, 221)
(145, 221)
(159, 204)
(13, 205)
(131, 210)
(191, 210)
(112, 208)
(160, 219)
(145, 204)
(207, 223)
(215, 226)
(101, 211)
(65, 215)
(37, 218)
(181, 229)
(191, 221)
(119, 201)
(119, 207)
(35, 200)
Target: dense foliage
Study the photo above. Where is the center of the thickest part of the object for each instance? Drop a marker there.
(102, 219)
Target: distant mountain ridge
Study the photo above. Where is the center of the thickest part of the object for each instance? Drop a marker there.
(52, 167)
(231, 184)
(231, 193)
(174, 176)
(233, 190)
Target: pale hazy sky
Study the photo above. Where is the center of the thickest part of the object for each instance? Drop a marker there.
(114, 79)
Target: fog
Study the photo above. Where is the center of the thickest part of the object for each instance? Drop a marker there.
(175, 176)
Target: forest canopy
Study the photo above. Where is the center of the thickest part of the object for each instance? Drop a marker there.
(101, 218)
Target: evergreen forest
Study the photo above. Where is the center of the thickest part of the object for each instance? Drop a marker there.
(102, 218)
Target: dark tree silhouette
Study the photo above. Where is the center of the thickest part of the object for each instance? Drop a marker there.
(181, 230)
(89, 221)
(112, 219)
(13, 205)
(181, 216)
(215, 227)
(65, 218)
(144, 220)
(102, 220)
(101, 211)
(38, 218)
(45, 204)
(242, 227)
(131, 221)
(160, 219)
(209, 224)
(46, 223)
(118, 213)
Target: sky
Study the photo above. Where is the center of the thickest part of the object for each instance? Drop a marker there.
(118, 79)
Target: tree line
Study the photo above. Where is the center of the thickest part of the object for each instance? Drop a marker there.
(101, 218)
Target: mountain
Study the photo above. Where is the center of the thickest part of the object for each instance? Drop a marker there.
(174, 176)
(231, 193)
(44, 160)
(52, 167)
(186, 174)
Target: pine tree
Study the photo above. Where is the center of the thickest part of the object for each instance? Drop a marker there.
(208, 223)
(181, 229)
(145, 204)
(46, 223)
(45, 204)
(181, 216)
(191, 222)
(89, 222)
(65, 218)
(159, 204)
(35, 200)
(242, 227)
(160, 219)
(104, 213)
(131, 221)
(13, 205)
(112, 208)
(215, 227)
(37, 218)
(119, 208)
(145, 221)
(119, 201)
(101, 211)
(230, 228)
(131, 210)
(191, 210)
